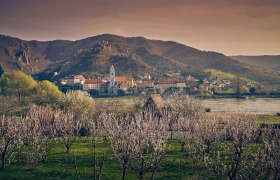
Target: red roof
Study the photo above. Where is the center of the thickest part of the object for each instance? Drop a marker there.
(166, 82)
(123, 78)
(79, 77)
(93, 81)
(170, 81)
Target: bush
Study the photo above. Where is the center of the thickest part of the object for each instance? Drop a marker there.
(207, 109)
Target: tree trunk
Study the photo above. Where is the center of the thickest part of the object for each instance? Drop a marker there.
(94, 158)
(235, 165)
(123, 172)
(44, 156)
(153, 174)
(208, 148)
(101, 166)
(3, 155)
(182, 147)
(76, 168)
(67, 150)
(67, 155)
(141, 173)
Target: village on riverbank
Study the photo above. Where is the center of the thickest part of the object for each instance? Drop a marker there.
(213, 87)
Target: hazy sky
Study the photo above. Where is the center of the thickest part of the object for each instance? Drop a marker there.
(249, 27)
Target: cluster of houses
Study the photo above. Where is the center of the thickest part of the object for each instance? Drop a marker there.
(116, 85)
(104, 86)
(216, 85)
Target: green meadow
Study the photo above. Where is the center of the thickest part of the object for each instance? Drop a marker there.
(175, 164)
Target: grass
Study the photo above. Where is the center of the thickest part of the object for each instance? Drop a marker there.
(221, 74)
(269, 119)
(228, 91)
(176, 164)
(125, 103)
(261, 119)
(224, 75)
(54, 167)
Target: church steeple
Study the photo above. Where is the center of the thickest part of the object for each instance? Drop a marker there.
(112, 68)
(112, 80)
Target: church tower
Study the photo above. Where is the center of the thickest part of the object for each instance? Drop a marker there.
(112, 80)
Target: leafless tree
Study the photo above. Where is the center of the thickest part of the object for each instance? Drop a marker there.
(95, 130)
(271, 139)
(183, 104)
(67, 129)
(186, 113)
(151, 133)
(207, 131)
(121, 134)
(10, 137)
(35, 130)
(137, 139)
(31, 133)
(241, 133)
(158, 139)
(44, 118)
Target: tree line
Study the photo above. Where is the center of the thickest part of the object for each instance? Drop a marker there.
(19, 90)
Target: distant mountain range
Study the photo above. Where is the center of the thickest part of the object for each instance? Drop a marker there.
(129, 55)
(268, 62)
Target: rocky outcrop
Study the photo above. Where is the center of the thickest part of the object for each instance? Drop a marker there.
(22, 57)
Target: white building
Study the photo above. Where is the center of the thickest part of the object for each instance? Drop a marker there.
(111, 88)
(94, 84)
(165, 84)
(77, 79)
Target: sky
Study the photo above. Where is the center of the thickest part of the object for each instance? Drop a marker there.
(232, 27)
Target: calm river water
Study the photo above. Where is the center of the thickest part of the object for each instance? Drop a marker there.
(256, 106)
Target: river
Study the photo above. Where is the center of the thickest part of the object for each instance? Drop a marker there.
(257, 106)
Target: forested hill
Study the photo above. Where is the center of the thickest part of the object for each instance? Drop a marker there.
(129, 55)
(268, 61)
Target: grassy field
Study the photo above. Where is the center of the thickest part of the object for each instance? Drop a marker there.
(176, 164)
(216, 73)
(124, 103)
(126, 100)
(222, 74)
(269, 119)
(173, 166)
